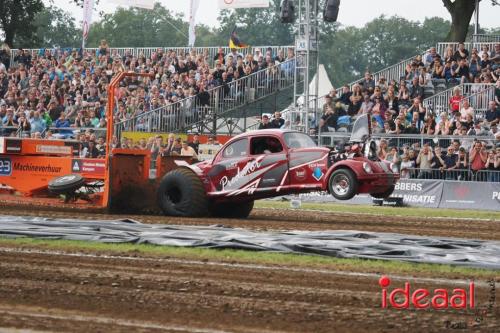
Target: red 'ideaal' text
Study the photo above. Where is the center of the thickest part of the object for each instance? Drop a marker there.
(423, 298)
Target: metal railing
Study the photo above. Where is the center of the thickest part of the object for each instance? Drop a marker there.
(481, 91)
(452, 174)
(483, 38)
(331, 139)
(441, 47)
(201, 111)
(57, 132)
(209, 52)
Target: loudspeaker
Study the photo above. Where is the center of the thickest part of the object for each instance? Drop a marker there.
(331, 10)
(287, 11)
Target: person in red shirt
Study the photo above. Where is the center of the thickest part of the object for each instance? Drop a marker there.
(478, 157)
(455, 100)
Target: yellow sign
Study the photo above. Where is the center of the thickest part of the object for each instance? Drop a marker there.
(136, 136)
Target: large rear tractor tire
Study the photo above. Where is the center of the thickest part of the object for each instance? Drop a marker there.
(343, 184)
(181, 193)
(385, 194)
(239, 210)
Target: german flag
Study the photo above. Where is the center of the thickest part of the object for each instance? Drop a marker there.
(234, 41)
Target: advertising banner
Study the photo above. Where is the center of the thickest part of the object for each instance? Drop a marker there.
(427, 193)
(230, 4)
(471, 195)
(422, 193)
(147, 4)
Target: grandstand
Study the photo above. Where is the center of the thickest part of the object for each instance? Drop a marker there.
(426, 99)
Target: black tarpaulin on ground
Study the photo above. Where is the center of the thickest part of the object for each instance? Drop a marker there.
(341, 244)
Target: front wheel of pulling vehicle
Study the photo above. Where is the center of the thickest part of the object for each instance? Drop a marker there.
(343, 184)
(385, 194)
(232, 210)
(181, 193)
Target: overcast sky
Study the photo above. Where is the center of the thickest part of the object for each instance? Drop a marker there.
(352, 12)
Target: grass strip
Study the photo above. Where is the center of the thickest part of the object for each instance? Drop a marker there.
(254, 257)
(384, 210)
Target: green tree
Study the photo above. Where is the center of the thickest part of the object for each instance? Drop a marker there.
(54, 27)
(461, 14)
(349, 51)
(16, 18)
(256, 26)
(136, 27)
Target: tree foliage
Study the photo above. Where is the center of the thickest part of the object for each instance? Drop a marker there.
(53, 27)
(461, 14)
(16, 18)
(140, 27)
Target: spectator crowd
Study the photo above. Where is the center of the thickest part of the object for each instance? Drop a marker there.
(58, 93)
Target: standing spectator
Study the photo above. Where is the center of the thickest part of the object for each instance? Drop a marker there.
(37, 123)
(4, 58)
(368, 83)
(265, 124)
(277, 121)
(196, 143)
(437, 163)
(478, 157)
(407, 166)
(450, 163)
(493, 166)
(424, 160)
(462, 164)
(187, 150)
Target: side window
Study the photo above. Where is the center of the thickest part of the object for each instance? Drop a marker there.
(236, 149)
(265, 145)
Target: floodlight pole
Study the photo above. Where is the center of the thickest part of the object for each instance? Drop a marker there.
(307, 61)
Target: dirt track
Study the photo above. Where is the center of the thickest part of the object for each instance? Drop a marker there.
(90, 294)
(46, 291)
(282, 219)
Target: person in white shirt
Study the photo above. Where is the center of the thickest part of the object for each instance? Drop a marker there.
(187, 150)
(466, 109)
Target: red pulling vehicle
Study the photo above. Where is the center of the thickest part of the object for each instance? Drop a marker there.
(269, 163)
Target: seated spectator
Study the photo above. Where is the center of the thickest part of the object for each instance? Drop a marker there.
(492, 115)
(443, 125)
(416, 90)
(329, 119)
(366, 106)
(404, 96)
(455, 100)
(392, 102)
(466, 109)
(462, 72)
